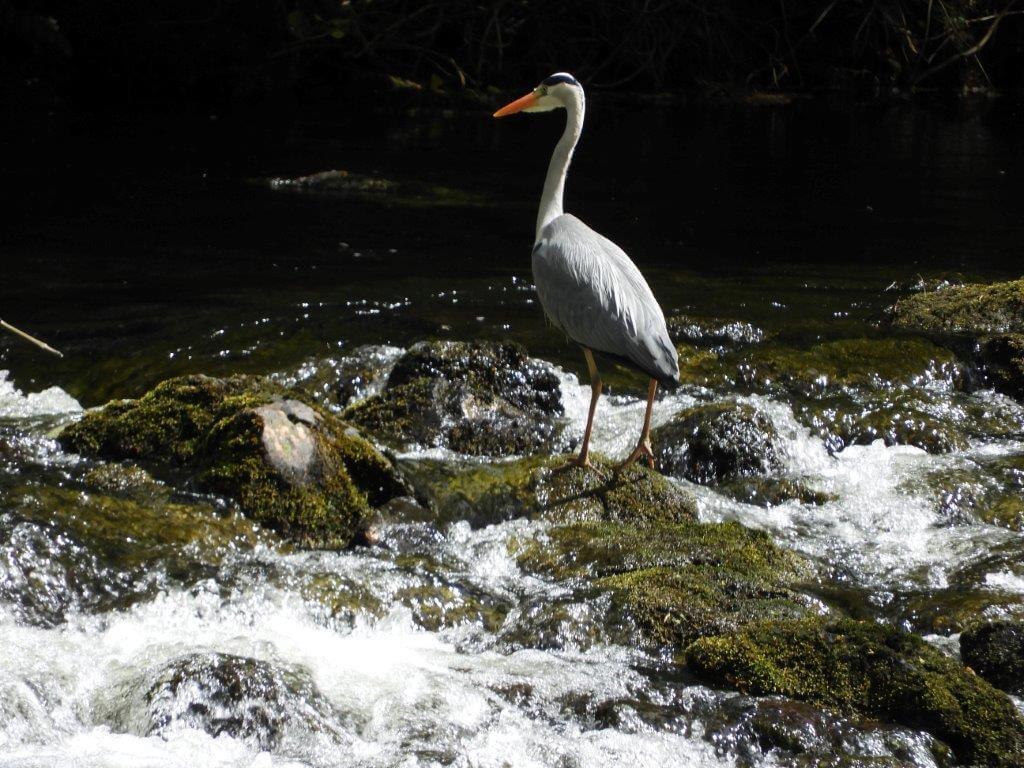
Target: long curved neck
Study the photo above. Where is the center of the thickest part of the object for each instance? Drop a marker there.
(554, 184)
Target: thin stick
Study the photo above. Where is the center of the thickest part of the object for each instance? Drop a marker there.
(32, 339)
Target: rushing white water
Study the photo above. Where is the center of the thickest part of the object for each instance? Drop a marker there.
(14, 404)
(349, 673)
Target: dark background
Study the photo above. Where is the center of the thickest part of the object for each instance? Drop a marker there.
(131, 54)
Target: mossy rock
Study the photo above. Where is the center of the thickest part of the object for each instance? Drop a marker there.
(990, 490)
(295, 469)
(537, 487)
(480, 398)
(716, 442)
(851, 363)
(995, 650)
(871, 670)
(773, 491)
(975, 310)
(168, 425)
(676, 581)
(336, 382)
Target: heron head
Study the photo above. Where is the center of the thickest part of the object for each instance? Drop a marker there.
(559, 90)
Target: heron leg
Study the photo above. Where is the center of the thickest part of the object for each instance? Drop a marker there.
(643, 448)
(583, 459)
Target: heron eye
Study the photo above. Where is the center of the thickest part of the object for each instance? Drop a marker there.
(541, 90)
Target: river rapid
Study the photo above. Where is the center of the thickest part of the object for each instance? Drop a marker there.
(134, 620)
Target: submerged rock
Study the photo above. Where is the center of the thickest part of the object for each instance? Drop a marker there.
(872, 670)
(852, 363)
(896, 417)
(773, 491)
(534, 487)
(295, 469)
(996, 652)
(676, 581)
(244, 698)
(479, 398)
(713, 331)
(717, 442)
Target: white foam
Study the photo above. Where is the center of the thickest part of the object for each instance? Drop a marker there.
(14, 404)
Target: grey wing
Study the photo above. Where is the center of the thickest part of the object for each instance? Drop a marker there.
(591, 289)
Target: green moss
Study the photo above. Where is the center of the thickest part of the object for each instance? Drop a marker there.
(974, 309)
(676, 581)
(400, 415)
(168, 424)
(531, 487)
(851, 363)
(326, 513)
(868, 669)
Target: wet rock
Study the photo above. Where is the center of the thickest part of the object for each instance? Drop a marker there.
(676, 581)
(713, 332)
(717, 442)
(988, 489)
(795, 734)
(245, 698)
(1003, 360)
(868, 669)
(477, 398)
(991, 316)
(896, 417)
(773, 491)
(995, 650)
(483, 494)
(297, 470)
(975, 310)
(64, 550)
(334, 383)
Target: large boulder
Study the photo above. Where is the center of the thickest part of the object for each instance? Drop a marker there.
(995, 650)
(1003, 360)
(716, 442)
(480, 398)
(296, 469)
(871, 670)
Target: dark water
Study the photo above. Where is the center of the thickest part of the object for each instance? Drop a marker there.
(141, 247)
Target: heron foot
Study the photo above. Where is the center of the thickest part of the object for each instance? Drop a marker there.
(579, 462)
(642, 449)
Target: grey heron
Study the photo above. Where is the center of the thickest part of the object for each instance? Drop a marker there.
(588, 286)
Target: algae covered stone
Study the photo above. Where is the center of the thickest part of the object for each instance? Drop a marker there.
(477, 398)
(872, 670)
(295, 469)
(716, 442)
(975, 309)
(995, 650)
(483, 494)
(676, 581)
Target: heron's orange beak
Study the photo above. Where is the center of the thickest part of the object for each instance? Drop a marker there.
(518, 105)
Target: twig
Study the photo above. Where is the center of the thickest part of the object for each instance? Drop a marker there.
(32, 339)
